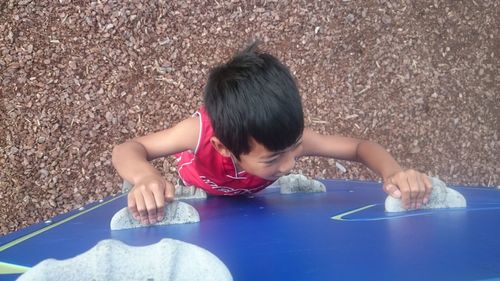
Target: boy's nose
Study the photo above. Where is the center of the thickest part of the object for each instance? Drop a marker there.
(287, 165)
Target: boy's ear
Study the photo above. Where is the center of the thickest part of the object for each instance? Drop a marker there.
(221, 148)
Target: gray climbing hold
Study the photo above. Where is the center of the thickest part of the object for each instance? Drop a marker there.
(189, 192)
(294, 183)
(441, 197)
(176, 212)
(126, 186)
(113, 260)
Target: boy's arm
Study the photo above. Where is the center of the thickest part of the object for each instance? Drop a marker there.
(131, 160)
(412, 186)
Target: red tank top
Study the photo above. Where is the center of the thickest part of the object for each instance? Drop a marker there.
(206, 168)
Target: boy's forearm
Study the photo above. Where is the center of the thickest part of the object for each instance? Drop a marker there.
(377, 159)
(130, 161)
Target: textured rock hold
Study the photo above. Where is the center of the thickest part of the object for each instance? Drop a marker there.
(441, 197)
(189, 192)
(299, 183)
(176, 212)
(112, 260)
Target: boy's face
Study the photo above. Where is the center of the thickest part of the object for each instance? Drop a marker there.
(269, 165)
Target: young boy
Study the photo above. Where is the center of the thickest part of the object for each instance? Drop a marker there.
(249, 133)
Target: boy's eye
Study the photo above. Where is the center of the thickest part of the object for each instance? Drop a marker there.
(271, 161)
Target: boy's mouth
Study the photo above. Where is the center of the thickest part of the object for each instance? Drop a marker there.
(272, 178)
(276, 177)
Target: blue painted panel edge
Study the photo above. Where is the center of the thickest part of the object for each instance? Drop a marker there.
(37, 226)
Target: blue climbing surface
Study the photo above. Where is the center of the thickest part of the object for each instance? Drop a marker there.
(343, 234)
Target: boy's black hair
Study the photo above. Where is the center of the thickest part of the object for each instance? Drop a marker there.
(254, 96)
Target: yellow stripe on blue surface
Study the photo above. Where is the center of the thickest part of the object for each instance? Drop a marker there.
(340, 217)
(35, 233)
(9, 268)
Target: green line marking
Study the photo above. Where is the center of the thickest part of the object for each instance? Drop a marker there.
(340, 216)
(9, 268)
(35, 233)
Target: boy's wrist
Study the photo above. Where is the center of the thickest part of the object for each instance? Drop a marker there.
(149, 172)
(378, 159)
(390, 173)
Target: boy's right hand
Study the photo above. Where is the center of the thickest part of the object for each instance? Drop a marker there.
(146, 200)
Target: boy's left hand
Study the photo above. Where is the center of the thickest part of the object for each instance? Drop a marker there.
(413, 187)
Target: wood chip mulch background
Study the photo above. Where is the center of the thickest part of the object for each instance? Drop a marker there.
(78, 77)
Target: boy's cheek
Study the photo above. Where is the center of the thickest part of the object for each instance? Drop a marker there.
(261, 172)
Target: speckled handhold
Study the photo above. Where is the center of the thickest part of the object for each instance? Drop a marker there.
(176, 212)
(189, 192)
(126, 186)
(113, 260)
(299, 183)
(441, 197)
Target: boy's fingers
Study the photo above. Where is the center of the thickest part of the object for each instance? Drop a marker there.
(150, 206)
(413, 185)
(412, 194)
(169, 192)
(141, 208)
(393, 190)
(428, 188)
(405, 193)
(159, 203)
(132, 207)
(419, 190)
